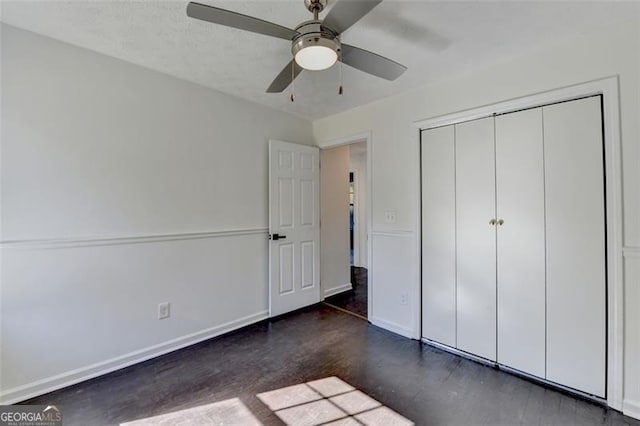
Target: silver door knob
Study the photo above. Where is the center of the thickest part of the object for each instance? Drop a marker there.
(492, 222)
(500, 222)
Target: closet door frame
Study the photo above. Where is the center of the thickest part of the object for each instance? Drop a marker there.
(608, 88)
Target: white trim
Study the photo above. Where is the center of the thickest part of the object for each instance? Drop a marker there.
(416, 299)
(630, 251)
(401, 233)
(338, 289)
(509, 370)
(595, 87)
(49, 384)
(56, 243)
(631, 408)
(391, 326)
(356, 218)
(348, 140)
(459, 352)
(609, 89)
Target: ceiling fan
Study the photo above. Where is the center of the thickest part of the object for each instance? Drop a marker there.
(315, 44)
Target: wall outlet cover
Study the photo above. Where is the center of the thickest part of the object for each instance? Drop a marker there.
(164, 310)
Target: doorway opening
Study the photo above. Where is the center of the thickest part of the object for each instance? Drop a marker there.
(344, 228)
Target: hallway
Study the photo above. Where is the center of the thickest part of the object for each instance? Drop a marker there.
(354, 300)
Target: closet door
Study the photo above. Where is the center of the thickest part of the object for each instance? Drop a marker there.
(476, 238)
(438, 236)
(521, 241)
(575, 231)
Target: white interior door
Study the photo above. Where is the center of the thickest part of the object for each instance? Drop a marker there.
(294, 227)
(476, 238)
(576, 272)
(439, 235)
(521, 241)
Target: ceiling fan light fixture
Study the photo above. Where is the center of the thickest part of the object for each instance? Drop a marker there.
(315, 44)
(316, 58)
(316, 48)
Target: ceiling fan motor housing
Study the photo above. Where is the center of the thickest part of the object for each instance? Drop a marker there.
(315, 5)
(313, 33)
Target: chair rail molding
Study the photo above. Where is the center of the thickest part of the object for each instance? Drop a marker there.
(60, 243)
(631, 251)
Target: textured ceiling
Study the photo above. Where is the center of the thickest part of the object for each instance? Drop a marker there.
(435, 40)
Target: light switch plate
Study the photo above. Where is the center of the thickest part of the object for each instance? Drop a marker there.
(390, 216)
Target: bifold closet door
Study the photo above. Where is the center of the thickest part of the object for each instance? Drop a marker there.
(575, 232)
(521, 241)
(476, 238)
(438, 236)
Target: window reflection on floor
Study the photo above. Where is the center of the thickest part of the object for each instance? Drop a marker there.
(328, 401)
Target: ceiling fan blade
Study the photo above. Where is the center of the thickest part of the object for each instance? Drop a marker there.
(238, 20)
(345, 13)
(284, 79)
(371, 63)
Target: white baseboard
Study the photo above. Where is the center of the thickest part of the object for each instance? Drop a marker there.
(72, 377)
(336, 290)
(631, 408)
(392, 326)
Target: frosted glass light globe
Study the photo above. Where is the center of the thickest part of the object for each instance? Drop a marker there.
(316, 58)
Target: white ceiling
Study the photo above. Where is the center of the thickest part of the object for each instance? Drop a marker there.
(434, 39)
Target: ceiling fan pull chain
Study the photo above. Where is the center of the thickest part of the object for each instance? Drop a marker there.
(293, 79)
(340, 87)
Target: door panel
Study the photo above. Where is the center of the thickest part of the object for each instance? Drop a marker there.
(476, 238)
(521, 241)
(575, 232)
(285, 201)
(294, 262)
(439, 235)
(287, 268)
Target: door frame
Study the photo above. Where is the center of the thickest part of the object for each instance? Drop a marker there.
(609, 89)
(348, 140)
(356, 222)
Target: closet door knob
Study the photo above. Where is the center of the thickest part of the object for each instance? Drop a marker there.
(492, 222)
(500, 222)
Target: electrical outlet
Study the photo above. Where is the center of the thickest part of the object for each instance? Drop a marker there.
(163, 310)
(404, 299)
(390, 216)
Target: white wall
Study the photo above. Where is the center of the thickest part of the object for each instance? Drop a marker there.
(358, 163)
(395, 169)
(96, 151)
(334, 217)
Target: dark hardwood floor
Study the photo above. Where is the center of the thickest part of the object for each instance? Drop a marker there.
(354, 300)
(423, 384)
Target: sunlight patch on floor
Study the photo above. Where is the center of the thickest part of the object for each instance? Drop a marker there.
(329, 401)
